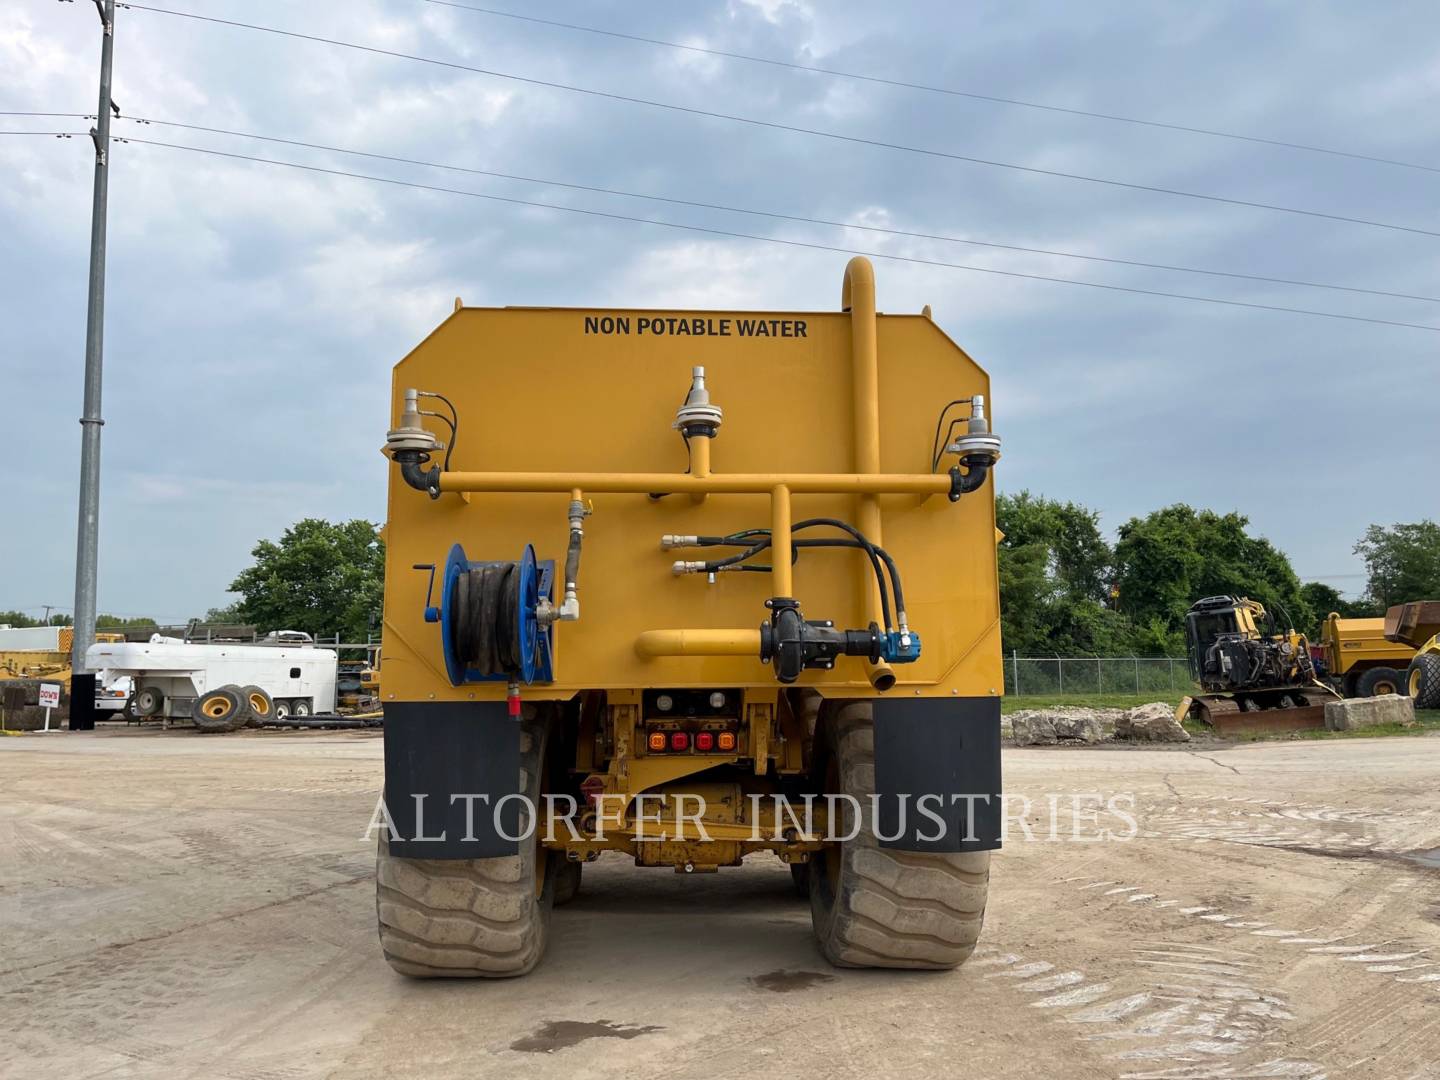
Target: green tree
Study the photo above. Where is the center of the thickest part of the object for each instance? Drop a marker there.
(18, 619)
(324, 577)
(1173, 557)
(1054, 568)
(115, 622)
(1323, 599)
(1403, 563)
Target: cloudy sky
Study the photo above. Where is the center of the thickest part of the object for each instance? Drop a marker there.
(255, 311)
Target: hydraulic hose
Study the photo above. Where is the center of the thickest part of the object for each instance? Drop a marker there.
(761, 538)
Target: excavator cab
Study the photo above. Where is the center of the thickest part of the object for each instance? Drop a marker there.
(1245, 665)
(1218, 618)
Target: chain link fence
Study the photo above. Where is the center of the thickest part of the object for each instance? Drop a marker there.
(1055, 675)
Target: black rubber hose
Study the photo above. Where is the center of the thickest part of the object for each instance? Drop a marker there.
(875, 553)
(572, 559)
(487, 605)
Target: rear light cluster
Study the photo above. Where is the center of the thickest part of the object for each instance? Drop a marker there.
(684, 742)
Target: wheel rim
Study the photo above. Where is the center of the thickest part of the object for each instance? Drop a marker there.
(1383, 687)
(1415, 683)
(216, 708)
(259, 705)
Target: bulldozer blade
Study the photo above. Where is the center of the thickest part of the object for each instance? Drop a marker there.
(1270, 721)
(1225, 717)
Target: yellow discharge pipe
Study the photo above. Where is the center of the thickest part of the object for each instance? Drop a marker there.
(780, 548)
(857, 296)
(656, 643)
(699, 463)
(715, 483)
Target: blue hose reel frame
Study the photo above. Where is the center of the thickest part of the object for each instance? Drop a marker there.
(537, 580)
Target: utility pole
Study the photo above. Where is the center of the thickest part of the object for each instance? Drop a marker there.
(87, 538)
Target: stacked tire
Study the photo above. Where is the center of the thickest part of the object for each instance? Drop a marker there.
(1422, 680)
(229, 708)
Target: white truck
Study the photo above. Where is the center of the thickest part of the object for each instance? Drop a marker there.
(218, 686)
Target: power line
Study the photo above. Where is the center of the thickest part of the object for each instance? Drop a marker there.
(782, 216)
(813, 69)
(777, 126)
(811, 245)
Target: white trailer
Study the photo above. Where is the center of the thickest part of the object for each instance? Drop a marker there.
(169, 675)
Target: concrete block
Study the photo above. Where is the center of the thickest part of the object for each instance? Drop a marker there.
(1353, 714)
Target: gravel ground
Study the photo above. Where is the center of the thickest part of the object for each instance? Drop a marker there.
(175, 905)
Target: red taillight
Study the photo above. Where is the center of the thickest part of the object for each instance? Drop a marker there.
(705, 741)
(592, 787)
(727, 741)
(679, 740)
(656, 740)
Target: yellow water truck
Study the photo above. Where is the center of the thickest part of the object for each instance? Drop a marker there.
(689, 586)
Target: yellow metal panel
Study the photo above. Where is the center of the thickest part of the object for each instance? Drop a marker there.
(1348, 642)
(565, 391)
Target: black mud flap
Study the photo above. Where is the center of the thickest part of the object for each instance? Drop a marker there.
(937, 774)
(448, 767)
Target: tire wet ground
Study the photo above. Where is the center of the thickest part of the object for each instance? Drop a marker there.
(176, 905)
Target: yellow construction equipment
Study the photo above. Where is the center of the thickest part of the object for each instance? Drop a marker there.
(1417, 625)
(1253, 676)
(748, 674)
(1359, 659)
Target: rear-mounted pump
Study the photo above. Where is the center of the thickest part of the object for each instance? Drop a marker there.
(793, 643)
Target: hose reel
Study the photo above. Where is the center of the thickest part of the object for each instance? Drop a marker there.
(489, 627)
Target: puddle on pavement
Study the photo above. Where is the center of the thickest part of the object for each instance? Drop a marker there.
(1430, 859)
(558, 1034)
(782, 981)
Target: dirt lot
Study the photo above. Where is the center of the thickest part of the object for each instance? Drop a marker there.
(203, 907)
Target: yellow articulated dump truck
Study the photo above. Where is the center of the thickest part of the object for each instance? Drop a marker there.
(1417, 626)
(689, 586)
(1360, 659)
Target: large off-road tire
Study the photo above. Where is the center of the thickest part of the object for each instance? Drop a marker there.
(471, 918)
(876, 907)
(221, 710)
(567, 880)
(1422, 681)
(1379, 680)
(260, 704)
